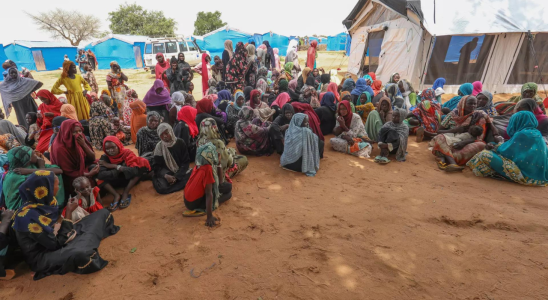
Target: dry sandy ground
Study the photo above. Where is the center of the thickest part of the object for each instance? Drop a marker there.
(358, 230)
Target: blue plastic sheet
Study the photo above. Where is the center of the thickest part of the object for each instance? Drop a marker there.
(53, 56)
(337, 42)
(3, 58)
(116, 50)
(277, 41)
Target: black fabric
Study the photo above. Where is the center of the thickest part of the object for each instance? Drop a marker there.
(377, 98)
(327, 119)
(162, 110)
(112, 174)
(179, 153)
(297, 166)
(225, 191)
(524, 69)
(389, 136)
(176, 80)
(22, 107)
(181, 131)
(47, 254)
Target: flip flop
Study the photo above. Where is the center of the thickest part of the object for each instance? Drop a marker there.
(128, 201)
(382, 160)
(420, 135)
(113, 206)
(442, 165)
(454, 168)
(193, 213)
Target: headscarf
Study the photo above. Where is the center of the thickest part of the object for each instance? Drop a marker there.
(429, 114)
(67, 153)
(333, 88)
(283, 85)
(223, 95)
(367, 77)
(428, 95)
(207, 155)
(306, 71)
(162, 148)
(528, 86)
(388, 116)
(489, 108)
(348, 117)
(262, 85)
(15, 89)
(292, 84)
(372, 75)
(281, 100)
(325, 78)
(247, 92)
(292, 49)
(204, 106)
(125, 155)
(205, 74)
(311, 55)
(408, 89)
(251, 53)
(288, 67)
(39, 211)
(154, 99)
(348, 85)
(265, 113)
(68, 111)
(229, 48)
(361, 86)
(8, 127)
(313, 119)
(301, 142)
(54, 107)
(328, 100)
(66, 68)
(439, 83)
(178, 100)
(478, 87)
(236, 68)
(138, 117)
(401, 129)
(188, 115)
(270, 52)
(465, 89)
(368, 97)
(377, 87)
(252, 96)
(392, 78)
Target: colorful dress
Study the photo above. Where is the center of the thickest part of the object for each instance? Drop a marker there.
(74, 94)
(90, 78)
(100, 123)
(127, 111)
(356, 132)
(7, 142)
(252, 137)
(119, 94)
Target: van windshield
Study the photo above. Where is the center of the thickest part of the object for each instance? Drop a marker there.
(171, 47)
(183, 47)
(159, 48)
(191, 47)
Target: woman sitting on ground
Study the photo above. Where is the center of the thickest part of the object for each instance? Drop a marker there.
(178, 99)
(88, 198)
(23, 162)
(350, 133)
(522, 159)
(232, 164)
(502, 122)
(361, 86)
(425, 119)
(72, 153)
(206, 188)
(255, 103)
(528, 91)
(100, 123)
(33, 133)
(280, 126)
(464, 90)
(56, 248)
(232, 111)
(326, 113)
(313, 120)
(158, 100)
(49, 109)
(308, 93)
(281, 100)
(485, 103)
(378, 117)
(364, 106)
(171, 162)
(147, 137)
(120, 168)
(252, 136)
(393, 138)
(408, 94)
(186, 129)
(10, 132)
(138, 118)
(451, 156)
(206, 109)
(68, 111)
(301, 149)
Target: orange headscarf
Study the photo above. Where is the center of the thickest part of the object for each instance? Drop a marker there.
(66, 67)
(138, 117)
(376, 86)
(68, 111)
(333, 88)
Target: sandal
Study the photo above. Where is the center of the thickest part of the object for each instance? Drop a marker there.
(193, 213)
(454, 168)
(382, 160)
(113, 206)
(420, 135)
(442, 166)
(123, 202)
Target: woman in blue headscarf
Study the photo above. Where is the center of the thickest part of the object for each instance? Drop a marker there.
(439, 83)
(464, 90)
(522, 159)
(223, 98)
(301, 149)
(361, 86)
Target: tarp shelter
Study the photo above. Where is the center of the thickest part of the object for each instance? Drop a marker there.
(39, 55)
(462, 41)
(214, 42)
(321, 41)
(277, 41)
(337, 42)
(3, 58)
(126, 50)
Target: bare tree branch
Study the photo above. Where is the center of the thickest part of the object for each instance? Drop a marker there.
(72, 26)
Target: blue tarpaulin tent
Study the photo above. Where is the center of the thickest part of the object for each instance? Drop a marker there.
(214, 42)
(321, 41)
(39, 55)
(277, 41)
(258, 38)
(126, 50)
(348, 44)
(3, 58)
(337, 42)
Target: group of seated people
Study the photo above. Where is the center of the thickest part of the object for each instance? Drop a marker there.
(58, 207)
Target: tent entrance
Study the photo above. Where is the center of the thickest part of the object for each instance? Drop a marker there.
(370, 59)
(39, 60)
(138, 56)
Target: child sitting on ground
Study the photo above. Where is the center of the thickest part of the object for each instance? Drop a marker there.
(121, 131)
(89, 200)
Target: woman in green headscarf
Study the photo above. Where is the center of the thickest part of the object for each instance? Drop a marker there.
(289, 72)
(205, 190)
(528, 90)
(23, 161)
(364, 106)
(231, 163)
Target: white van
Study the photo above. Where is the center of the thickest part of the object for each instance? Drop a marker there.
(171, 47)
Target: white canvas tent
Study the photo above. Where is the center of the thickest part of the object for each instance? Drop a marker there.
(462, 41)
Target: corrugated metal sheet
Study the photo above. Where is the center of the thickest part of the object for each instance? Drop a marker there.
(43, 44)
(39, 60)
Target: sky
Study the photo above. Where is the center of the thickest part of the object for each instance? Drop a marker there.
(286, 17)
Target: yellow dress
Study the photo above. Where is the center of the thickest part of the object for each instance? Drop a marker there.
(74, 95)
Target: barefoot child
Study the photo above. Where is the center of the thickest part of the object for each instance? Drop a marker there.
(89, 200)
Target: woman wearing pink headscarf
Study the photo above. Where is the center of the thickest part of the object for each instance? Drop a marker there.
(277, 58)
(478, 88)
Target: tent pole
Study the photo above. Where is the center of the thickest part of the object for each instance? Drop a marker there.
(429, 56)
(530, 36)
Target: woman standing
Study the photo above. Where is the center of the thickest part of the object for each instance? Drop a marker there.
(158, 100)
(73, 83)
(204, 69)
(116, 85)
(228, 53)
(240, 69)
(90, 78)
(350, 133)
(312, 55)
(301, 149)
(160, 69)
(16, 92)
(270, 62)
(49, 109)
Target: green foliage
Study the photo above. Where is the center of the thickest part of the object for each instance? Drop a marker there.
(207, 22)
(133, 19)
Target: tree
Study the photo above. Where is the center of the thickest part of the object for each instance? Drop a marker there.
(133, 19)
(72, 26)
(207, 22)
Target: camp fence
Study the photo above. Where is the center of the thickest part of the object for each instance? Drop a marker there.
(39, 55)
(499, 43)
